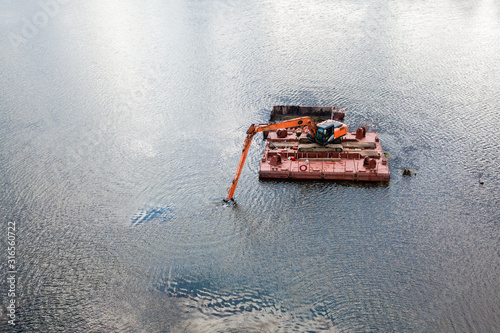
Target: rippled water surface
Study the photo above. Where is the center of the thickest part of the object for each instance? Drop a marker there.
(121, 127)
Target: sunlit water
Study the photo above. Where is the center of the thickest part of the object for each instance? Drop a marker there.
(121, 128)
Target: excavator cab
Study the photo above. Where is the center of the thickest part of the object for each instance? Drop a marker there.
(329, 132)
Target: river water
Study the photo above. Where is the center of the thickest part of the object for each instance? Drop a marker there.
(122, 124)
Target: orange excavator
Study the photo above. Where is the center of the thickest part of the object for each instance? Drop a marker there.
(324, 133)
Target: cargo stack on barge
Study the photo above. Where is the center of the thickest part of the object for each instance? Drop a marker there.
(310, 142)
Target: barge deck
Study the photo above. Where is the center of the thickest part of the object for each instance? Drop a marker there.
(359, 157)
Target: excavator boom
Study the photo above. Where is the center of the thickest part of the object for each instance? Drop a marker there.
(296, 122)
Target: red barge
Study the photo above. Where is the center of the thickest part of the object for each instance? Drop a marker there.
(358, 157)
(301, 148)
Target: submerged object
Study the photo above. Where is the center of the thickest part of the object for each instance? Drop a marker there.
(298, 148)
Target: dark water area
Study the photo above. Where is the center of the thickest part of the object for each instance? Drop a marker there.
(121, 127)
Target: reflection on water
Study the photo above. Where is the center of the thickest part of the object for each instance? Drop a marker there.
(242, 310)
(122, 125)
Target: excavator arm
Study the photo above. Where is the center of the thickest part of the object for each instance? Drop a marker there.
(296, 122)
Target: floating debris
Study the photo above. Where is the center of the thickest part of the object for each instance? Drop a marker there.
(408, 172)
